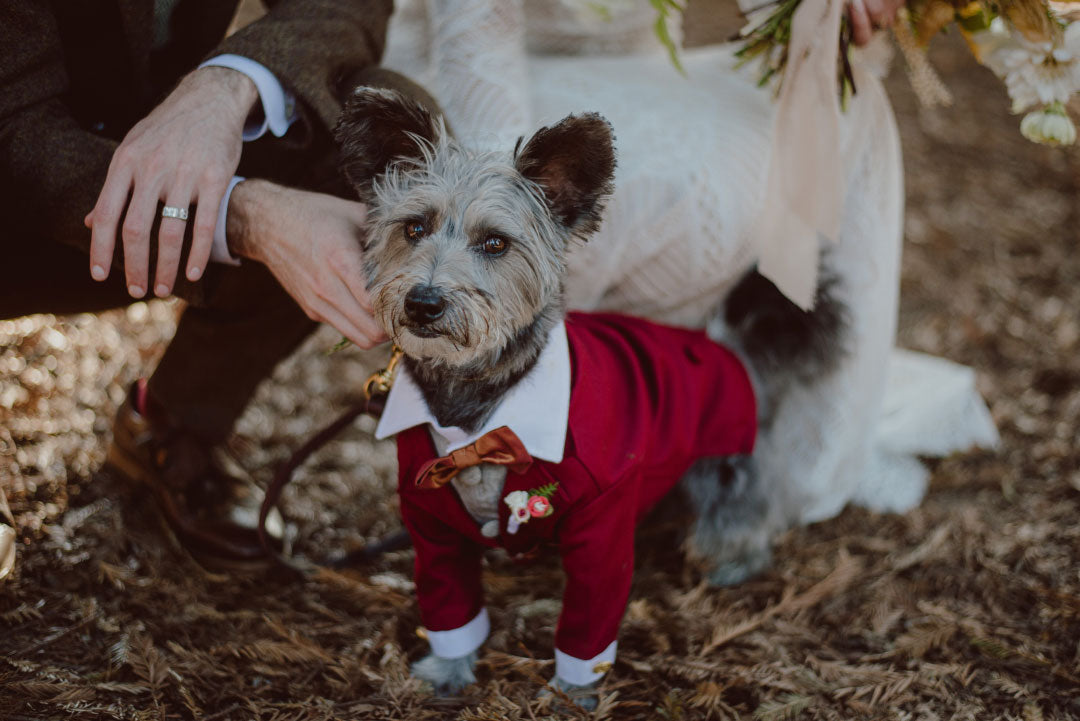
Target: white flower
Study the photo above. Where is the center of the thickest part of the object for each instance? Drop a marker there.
(1051, 126)
(519, 510)
(7, 549)
(1035, 73)
(516, 500)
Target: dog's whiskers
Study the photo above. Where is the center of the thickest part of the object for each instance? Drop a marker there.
(460, 195)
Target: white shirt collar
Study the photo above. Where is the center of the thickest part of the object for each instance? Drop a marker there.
(537, 409)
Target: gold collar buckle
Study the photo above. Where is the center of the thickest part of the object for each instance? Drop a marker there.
(379, 382)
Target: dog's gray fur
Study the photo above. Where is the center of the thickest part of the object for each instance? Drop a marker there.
(781, 346)
(497, 309)
(730, 535)
(446, 675)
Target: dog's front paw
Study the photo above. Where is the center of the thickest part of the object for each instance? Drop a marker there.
(733, 572)
(447, 676)
(584, 696)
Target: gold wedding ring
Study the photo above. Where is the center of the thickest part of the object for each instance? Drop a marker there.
(170, 212)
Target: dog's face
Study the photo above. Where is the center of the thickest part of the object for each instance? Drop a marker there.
(465, 251)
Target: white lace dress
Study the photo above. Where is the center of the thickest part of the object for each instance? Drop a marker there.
(677, 235)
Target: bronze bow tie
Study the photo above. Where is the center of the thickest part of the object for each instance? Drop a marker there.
(500, 446)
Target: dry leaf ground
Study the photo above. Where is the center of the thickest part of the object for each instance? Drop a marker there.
(966, 608)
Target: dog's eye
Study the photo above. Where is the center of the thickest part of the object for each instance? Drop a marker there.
(495, 245)
(415, 230)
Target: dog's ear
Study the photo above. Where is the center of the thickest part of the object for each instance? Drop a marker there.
(378, 127)
(573, 162)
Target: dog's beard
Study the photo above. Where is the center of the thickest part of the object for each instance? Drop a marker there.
(466, 332)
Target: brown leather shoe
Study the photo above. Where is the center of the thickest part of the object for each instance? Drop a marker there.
(211, 513)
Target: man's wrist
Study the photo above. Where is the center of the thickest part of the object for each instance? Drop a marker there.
(275, 110)
(241, 216)
(231, 86)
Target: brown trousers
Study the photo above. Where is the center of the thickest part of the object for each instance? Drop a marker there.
(230, 336)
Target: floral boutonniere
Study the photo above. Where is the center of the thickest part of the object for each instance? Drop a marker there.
(533, 503)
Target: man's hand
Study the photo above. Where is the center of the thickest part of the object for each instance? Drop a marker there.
(311, 243)
(186, 151)
(870, 15)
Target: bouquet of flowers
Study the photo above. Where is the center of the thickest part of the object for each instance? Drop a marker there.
(1033, 45)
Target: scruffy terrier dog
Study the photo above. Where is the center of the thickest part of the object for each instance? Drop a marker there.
(595, 416)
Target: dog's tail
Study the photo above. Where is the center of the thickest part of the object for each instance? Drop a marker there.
(779, 342)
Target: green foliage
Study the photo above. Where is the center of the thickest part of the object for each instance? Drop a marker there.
(768, 41)
(547, 491)
(975, 18)
(339, 345)
(664, 9)
(602, 11)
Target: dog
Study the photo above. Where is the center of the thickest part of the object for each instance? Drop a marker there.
(523, 426)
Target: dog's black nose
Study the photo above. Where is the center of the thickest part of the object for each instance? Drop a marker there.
(424, 304)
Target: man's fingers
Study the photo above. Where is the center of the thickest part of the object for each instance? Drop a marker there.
(378, 337)
(861, 28)
(351, 276)
(350, 271)
(361, 313)
(136, 236)
(205, 220)
(342, 325)
(372, 331)
(170, 245)
(345, 326)
(882, 14)
(358, 212)
(105, 216)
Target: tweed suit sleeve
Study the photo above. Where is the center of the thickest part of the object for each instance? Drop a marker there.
(51, 170)
(597, 547)
(447, 570)
(314, 47)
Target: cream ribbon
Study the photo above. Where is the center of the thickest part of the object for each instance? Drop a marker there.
(7, 538)
(805, 185)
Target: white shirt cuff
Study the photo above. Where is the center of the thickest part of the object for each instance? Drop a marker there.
(459, 642)
(219, 251)
(278, 105)
(584, 671)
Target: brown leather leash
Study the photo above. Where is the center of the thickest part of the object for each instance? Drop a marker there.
(376, 390)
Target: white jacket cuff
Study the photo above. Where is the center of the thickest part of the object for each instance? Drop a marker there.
(219, 250)
(580, 671)
(462, 641)
(278, 105)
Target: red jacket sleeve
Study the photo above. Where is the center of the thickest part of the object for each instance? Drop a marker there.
(447, 571)
(597, 547)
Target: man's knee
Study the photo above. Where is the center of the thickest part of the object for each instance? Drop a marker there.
(43, 276)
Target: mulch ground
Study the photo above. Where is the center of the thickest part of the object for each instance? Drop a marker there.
(966, 608)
